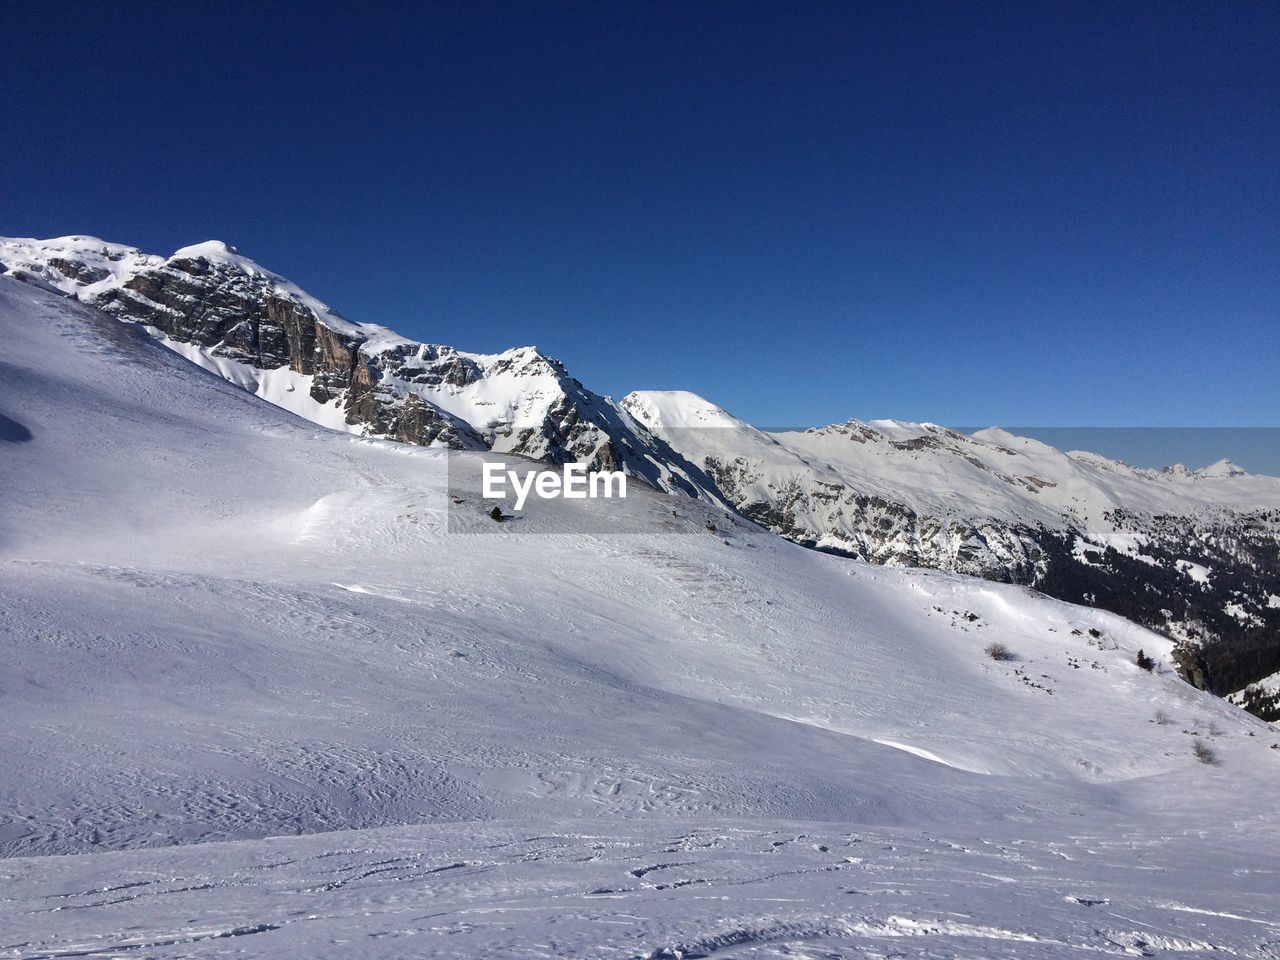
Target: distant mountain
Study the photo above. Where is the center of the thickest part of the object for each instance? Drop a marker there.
(1192, 553)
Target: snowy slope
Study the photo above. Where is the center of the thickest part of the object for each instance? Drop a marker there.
(224, 623)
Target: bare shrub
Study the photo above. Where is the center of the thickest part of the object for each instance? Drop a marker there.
(1162, 718)
(998, 651)
(1204, 753)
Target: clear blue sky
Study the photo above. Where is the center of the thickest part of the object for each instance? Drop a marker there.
(969, 213)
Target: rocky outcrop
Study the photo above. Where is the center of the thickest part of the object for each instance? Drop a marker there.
(237, 316)
(329, 357)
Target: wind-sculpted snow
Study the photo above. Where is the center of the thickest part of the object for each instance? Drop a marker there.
(221, 625)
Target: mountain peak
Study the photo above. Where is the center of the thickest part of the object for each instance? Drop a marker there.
(210, 249)
(223, 254)
(1222, 468)
(676, 409)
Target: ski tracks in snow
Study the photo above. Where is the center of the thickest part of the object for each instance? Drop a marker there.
(609, 891)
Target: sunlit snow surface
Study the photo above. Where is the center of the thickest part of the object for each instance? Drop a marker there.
(221, 624)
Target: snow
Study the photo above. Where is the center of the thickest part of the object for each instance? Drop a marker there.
(282, 387)
(215, 251)
(1129, 544)
(679, 410)
(1222, 468)
(270, 692)
(1196, 571)
(1238, 611)
(1268, 684)
(620, 891)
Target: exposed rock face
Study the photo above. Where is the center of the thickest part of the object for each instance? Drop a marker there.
(384, 411)
(877, 529)
(77, 271)
(333, 358)
(194, 300)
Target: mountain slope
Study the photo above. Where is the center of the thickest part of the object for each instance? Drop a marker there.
(1195, 554)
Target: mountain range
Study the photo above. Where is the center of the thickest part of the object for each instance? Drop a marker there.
(1194, 554)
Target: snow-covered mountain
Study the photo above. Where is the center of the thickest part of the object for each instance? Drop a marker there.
(264, 333)
(1194, 554)
(222, 623)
